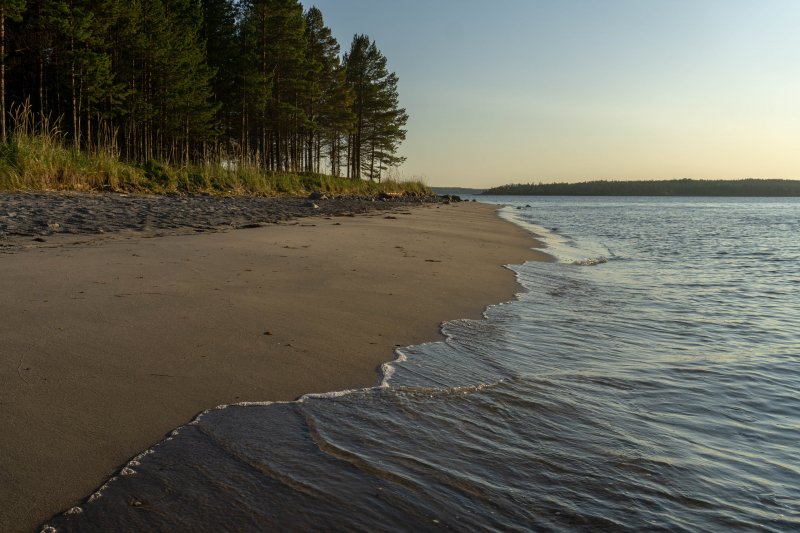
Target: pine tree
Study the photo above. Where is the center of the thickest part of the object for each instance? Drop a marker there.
(220, 36)
(146, 56)
(285, 50)
(39, 48)
(254, 81)
(177, 80)
(119, 24)
(322, 52)
(9, 9)
(387, 128)
(379, 121)
(101, 93)
(247, 85)
(162, 79)
(329, 98)
(84, 25)
(187, 111)
(273, 81)
(338, 118)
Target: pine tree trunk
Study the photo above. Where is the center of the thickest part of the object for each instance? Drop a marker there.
(310, 151)
(337, 154)
(319, 153)
(372, 163)
(75, 123)
(349, 154)
(243, 143)
(3, 72)
(186, 145)
(263, 143)
(131, 138)
(278, 150)
(42, 110)
(357, 143)
(89, 128)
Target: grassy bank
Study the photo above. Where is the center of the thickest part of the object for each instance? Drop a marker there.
(41, 159)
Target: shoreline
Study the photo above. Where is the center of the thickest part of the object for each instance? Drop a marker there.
(344, 294)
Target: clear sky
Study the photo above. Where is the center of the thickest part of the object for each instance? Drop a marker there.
(566, 90)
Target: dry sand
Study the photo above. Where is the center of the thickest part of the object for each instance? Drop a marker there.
(107, 346)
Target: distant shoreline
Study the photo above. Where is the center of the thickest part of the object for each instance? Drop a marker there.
(659, 188)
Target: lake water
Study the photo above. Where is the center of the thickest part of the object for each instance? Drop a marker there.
(648, 379)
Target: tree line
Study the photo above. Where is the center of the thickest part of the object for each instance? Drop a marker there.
(678, 187)
(185, 81)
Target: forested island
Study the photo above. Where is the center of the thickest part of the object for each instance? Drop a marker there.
(678, 187)
(249, 95)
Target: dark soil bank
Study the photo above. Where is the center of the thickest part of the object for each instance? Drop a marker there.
(37, 216)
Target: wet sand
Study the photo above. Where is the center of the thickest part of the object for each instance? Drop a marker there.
(109, 344)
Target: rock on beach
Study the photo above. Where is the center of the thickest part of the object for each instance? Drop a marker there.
(43, 214)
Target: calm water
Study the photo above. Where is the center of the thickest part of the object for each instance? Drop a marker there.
(647, 380)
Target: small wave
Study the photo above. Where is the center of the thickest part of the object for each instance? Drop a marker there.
(432, 392)
(335, 394)
(570, 407)
(388, 369)
(590, 261)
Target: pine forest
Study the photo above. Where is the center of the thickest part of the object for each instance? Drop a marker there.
(181, 83)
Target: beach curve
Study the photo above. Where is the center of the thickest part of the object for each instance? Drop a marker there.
(124, 340)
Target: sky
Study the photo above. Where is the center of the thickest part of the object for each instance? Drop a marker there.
(518, 91)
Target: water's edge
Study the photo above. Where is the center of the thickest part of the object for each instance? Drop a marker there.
(645, 379)
(387, 370)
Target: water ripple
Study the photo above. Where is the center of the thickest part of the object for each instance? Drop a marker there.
(656, 391)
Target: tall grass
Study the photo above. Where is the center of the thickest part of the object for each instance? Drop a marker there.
(39, 157)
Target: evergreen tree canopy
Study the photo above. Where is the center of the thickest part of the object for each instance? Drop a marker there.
(187, 80)
(379, 121)
(9, 9)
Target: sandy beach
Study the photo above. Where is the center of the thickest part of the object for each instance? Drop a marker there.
(109, 344)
